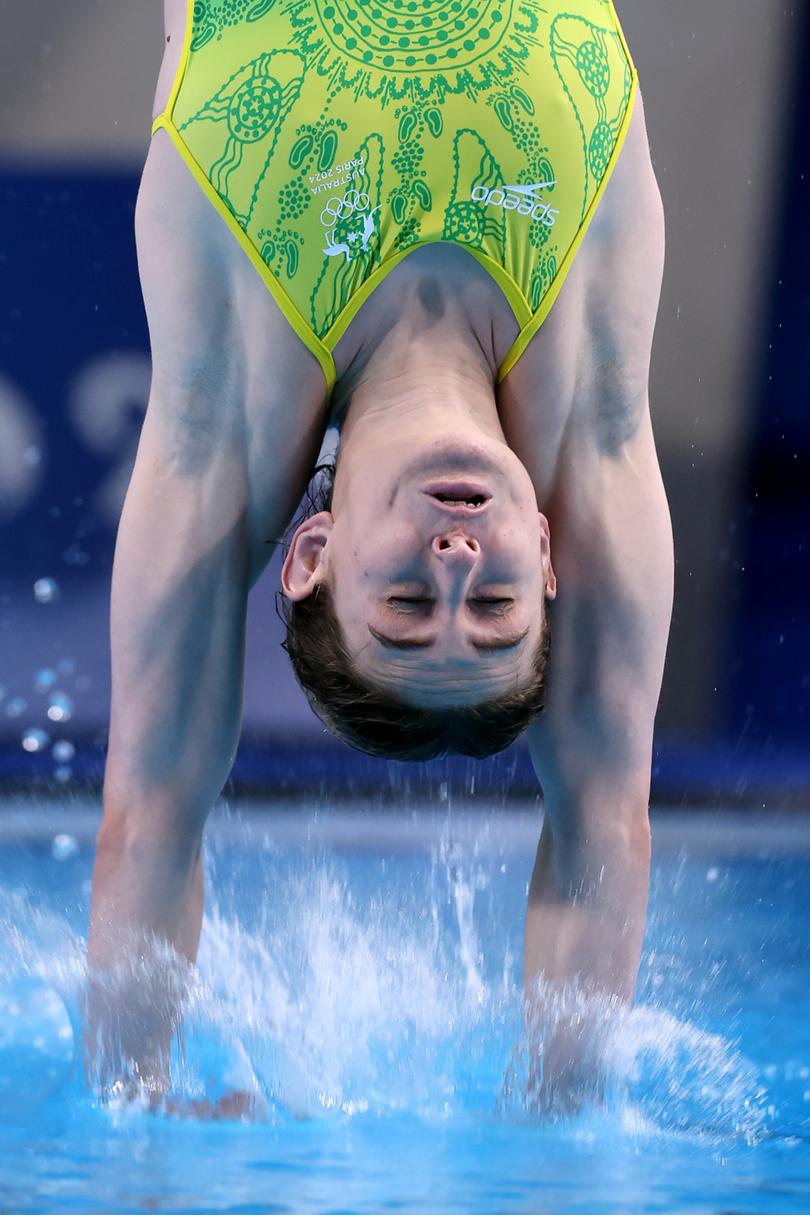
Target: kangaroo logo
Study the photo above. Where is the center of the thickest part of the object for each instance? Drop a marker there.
(335, 248)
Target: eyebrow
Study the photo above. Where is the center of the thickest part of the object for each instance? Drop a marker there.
(415, 643)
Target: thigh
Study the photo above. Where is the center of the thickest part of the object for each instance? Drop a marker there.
(232, 384)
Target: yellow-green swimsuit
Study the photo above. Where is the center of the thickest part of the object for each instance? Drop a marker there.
(334, 136)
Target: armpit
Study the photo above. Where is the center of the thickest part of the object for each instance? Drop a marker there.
(622, 272)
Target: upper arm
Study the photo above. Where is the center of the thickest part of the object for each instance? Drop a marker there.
(231, 383)
(611, 543)
(611, 537)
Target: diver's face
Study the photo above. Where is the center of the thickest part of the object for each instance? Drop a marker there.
(438, 570)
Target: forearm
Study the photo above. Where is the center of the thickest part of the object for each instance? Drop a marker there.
(178, 611)
(147, 894)
(587, 907)
(584, 930)
(143, 888)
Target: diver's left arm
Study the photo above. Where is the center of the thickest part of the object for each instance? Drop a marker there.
(612, 550)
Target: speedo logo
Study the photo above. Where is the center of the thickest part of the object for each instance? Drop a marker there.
(522, 199)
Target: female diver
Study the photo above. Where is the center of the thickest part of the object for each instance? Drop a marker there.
(438, 226)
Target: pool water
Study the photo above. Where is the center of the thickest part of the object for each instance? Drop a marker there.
(361, 972)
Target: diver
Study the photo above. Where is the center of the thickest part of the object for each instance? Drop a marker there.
(492, 553)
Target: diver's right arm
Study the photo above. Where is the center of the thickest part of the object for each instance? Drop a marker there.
(234, 421)
(182, 571)
(178, 607)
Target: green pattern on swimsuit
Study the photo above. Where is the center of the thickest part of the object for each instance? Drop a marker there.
(340, 133)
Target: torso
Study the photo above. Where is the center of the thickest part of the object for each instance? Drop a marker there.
(600, 323)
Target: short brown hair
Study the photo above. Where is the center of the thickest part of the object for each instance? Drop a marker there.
(367, 717)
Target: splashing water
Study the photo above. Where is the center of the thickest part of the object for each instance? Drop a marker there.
(374, 990)
(368, 1002)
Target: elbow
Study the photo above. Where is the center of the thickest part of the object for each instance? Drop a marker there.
(611, 840)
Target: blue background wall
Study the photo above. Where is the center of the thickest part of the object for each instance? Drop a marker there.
(770, 626)
(74, 382)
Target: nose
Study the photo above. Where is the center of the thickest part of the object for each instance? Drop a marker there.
(456, 556)
(457, 550)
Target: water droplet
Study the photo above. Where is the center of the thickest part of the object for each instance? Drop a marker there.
(66, 666)
(63, 775)
(16, 706)
(63, 750)
(46, 590)
(35, 740)
(712, 874)
(44, 679)
(60, 708)
(64, 847)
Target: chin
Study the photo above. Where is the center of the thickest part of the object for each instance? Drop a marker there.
(456, 456)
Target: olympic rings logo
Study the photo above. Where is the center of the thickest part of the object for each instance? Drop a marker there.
(345, 206)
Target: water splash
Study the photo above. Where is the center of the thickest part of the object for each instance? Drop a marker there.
(329, 998)
(36, 1042)
(643, 1066)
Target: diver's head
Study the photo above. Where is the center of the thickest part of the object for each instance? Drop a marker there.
(416, 602)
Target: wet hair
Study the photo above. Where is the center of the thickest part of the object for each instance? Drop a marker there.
(363, 713)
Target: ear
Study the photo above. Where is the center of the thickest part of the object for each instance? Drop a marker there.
(545, 557)
(304, 566)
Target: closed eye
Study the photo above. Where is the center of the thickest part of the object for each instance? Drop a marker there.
(489, 606)
(492, 606)
(408, 604)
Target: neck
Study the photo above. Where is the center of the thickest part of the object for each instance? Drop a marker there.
(430, 380)
(427, 377)
(426, 355)
(433, 318)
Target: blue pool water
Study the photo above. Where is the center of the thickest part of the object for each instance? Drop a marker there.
(362, 971)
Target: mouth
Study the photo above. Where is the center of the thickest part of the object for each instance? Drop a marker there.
(465, 497)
